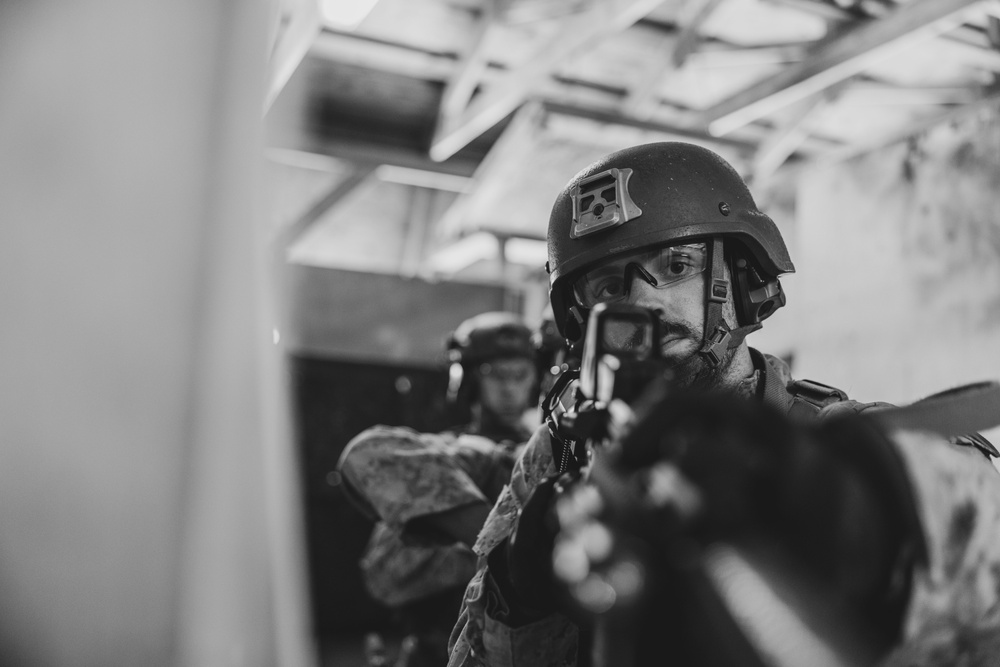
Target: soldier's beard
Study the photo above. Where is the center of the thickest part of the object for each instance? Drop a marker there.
(697, 373)
(692, 370)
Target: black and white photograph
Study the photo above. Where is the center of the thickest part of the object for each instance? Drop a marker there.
(500, 333)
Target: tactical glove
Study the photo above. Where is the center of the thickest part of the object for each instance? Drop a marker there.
(521, 566)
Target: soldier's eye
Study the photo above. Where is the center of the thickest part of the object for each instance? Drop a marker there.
(609, 287)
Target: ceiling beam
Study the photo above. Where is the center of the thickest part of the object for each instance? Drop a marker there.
(421, 178)
(993, 28)
(528, 117)
(361, 51)
(292, 45)
(677, 132)
(990, 97)
(715, 54)
(462, 82)
(878, 93)
(397, 156)
(778, 146)
(404, 60)
(387, 173)
(641, 101)
(966, 37)
(597, 104)
(461, 253)
(837, 59)
(295, 230)
(601, 20)
(419, 64)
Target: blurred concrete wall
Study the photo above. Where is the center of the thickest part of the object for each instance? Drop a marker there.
(898, 251)
(147, 498)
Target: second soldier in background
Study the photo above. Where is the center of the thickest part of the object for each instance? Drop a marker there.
(430, 493)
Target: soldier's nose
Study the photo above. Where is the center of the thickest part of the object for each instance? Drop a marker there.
(641, 293)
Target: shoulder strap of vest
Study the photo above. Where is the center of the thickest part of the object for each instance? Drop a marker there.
(956, 413)
(809, 397)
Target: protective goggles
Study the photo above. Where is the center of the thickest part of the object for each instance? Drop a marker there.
(661, 268)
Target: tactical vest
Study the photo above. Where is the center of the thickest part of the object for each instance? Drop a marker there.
(809, 397)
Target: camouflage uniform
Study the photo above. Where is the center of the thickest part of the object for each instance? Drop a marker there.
(400, 475)
(954, 611)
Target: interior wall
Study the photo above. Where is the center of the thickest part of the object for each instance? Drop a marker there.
(898, 290)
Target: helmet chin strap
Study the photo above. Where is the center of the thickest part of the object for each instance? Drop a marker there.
(719, 337)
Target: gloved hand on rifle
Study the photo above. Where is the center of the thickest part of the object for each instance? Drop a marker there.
(521, 565)
(826, 506)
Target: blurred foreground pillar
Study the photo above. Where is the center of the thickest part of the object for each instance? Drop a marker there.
(148, 504)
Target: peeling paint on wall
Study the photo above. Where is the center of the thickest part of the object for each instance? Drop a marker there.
(953, 230)
(898, 253)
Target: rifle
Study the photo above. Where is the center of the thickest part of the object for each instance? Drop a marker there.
(692, 530)
(621, 362)
(633, 559)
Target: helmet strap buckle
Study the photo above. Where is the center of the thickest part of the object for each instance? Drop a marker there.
(719, 291)
(715, 346)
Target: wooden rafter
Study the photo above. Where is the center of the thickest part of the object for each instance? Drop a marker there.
(640, 101)
(993, 29)
(361, 51)
(989, 98)
(714, 54)
(836, 60)
(292, 45)
(600, 21)
(666, 130)
(462, 83)
(386, 154)
(966, 37)
(343, 188)
(788, 137)
(527, 117)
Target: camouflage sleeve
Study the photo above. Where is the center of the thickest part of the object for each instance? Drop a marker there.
(533, 464)
(397, 572)
(402, 474)
(954, 612)
(481, 637)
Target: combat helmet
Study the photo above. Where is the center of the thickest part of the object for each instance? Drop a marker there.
(661, 194)
(483, 338)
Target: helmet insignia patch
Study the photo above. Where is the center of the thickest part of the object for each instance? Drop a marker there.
(602, 201)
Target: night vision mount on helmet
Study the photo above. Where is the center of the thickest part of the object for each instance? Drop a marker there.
(662, 194)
